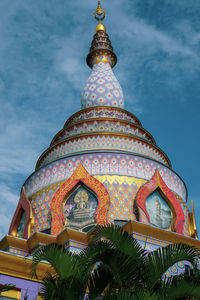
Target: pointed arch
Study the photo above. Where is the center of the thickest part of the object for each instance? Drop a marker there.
(157, 183)
(23, 206)
(80, 175)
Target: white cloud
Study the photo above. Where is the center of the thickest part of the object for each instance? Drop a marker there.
(9, 201)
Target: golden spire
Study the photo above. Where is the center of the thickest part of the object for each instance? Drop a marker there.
(99, 15)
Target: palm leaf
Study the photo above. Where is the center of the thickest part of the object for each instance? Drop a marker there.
(63, 262)
(100, 281)
(129, 258)
(7, 287)
(160, 260)
(121, 294)
(184, 285)
(69, 282)
(56, 288)
(120, 238)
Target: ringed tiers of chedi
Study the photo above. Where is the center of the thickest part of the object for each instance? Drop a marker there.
(102, 167)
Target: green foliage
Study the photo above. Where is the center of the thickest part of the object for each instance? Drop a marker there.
(6, 288)
(115, 266)
(69, 282)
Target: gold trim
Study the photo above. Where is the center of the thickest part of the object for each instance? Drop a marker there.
(192, 223)
(167, 161)
(123, 122)
(11, 241)
(40, 238)
(160, 234)
(193, 216)
(22, 268)
(14, 265)
(109, 108)
(100, 27)
(99, 13)
(12, 294)
(69, 234)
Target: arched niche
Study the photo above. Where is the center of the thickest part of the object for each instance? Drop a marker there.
(79, 208)
(156, 187)
(78, 178)
(23, 218)
(160, 210)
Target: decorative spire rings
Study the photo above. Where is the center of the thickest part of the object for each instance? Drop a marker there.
(99, 13)
(102, 87)
(101, 45)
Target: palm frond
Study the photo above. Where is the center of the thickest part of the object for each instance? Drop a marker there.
(7, 287)
(100, 280)
(124, 268)
(160, 260)
(121, 294)
(120, 239)
(183, 285)
(56, 288)
(63, 262)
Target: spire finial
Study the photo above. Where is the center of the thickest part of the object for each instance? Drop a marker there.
(99, 13)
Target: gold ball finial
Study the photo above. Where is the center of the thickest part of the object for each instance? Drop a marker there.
(100, 26)
(99, 13)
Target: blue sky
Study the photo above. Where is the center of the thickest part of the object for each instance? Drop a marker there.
(43, 46)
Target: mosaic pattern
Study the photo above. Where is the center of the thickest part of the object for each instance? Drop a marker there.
(74, 246)
(104, 113)
(102, 164)
(18, 251)
(122, 191)
(80, 174)
(102, 88)
(102, 58)
(176, 269)
(101, 142)
(41, 210)
(101, 126)
(149, 243)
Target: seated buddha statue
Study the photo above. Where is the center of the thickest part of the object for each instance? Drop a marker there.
(81, 211)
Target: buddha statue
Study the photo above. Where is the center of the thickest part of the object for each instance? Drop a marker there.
(81, 211)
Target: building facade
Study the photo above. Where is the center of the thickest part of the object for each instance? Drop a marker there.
(102, 167)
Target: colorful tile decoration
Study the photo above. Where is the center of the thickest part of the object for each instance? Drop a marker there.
(104, 113)
(176, 269)
(151, 244)
(102, 164)
(79, 175)
(18, 251)
(41, 209)
(156, 182)
(122, 192)
(102, 126)
(102, 142)
(102, 88)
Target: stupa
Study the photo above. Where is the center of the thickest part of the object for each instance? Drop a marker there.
(102, 167)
